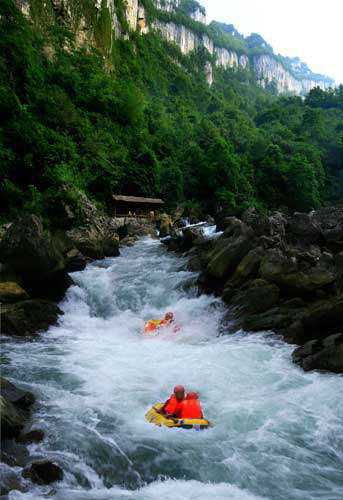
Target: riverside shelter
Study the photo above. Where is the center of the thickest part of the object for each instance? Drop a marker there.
(128, 206)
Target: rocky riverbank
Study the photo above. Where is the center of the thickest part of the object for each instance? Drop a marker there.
(278, 273)
(34, 276)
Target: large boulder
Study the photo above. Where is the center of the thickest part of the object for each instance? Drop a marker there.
(297, 277)
(257, 296)
(28, 317)
(11, 292)
(246, 269)
(318, 320)
(19, 397)
(165, 225)
(237, 242)
(29, 250)
(14, 406)
(303, 229)
(96, 242)
(330, 220)
(12, 422)
(43, 472)
(321, 354)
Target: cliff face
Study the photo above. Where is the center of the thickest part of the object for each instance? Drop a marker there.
(268, 70)
(100, 21)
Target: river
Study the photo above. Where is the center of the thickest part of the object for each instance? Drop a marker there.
(278, 432)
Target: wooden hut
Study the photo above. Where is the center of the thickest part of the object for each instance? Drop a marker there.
(126, 206)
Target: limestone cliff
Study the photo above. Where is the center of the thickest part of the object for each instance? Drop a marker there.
(99, 22)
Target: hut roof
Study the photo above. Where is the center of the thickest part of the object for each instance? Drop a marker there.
(138, 199)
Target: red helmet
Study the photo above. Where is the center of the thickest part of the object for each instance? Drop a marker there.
(179, 388)
(169, 315)
(192, 395)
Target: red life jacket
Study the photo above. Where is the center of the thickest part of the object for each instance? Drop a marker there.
(173, 406)
(191, 408)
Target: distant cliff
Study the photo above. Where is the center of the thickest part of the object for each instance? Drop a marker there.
(182, 22)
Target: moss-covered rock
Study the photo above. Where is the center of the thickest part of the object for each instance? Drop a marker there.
(29, 250)
(11, 292)
(229, 253)
(257, 296)
(12, 422)
(28, 317)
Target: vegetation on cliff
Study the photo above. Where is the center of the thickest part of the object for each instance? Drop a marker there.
(138, 117)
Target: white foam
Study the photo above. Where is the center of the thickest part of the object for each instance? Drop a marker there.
(277, 430)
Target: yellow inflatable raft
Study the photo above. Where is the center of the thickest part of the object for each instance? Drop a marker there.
(184, 423)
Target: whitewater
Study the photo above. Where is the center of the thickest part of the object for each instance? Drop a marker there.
(278, 432)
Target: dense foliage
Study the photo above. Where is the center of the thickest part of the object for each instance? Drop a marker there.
(148, 124)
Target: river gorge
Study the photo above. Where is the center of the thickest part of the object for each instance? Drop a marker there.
(277, 430)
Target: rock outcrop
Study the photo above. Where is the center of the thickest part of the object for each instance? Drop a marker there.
(277, 273)
(320, 354)
(287, 75)
(15, 407)
(43, 472)
(28, 317)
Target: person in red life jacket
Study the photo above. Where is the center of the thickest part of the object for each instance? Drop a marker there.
(168, 321)
(191, 407)
(172, 407)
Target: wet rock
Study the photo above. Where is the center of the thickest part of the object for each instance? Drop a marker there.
(34, 436)
(9, 481)
(44, 472)
(75, 261)
(19, 397)
(15, 404)
(95, 242)
(330, 220)
(191, 235)
(276, 319)
(246, 269)
(12, 421)
(11, 292)
(286, 272)
(128, 241)
(165, 225)
(229, 253)
(303, 229)
(318, 320)
(28, 249)
(321, 354)
(28, 317)
(256, 297)
(13, 453)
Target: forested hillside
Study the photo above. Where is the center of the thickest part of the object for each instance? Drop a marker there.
(143, 120)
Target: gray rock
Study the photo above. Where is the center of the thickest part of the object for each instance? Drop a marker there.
(286, 272)
(12, 421)
(20, 398)
(320, 354)
(28, 317)
(75, 261)
(29, 250)
(34, 436)
(257, 296)
(230, 251)
(44, 472)
(302, 228)
(95, 242)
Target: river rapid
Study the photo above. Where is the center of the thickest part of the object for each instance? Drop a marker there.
(278, 432)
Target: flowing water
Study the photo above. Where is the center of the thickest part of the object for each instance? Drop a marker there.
(278, 432)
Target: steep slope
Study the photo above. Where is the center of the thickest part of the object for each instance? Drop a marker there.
(90, 105)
